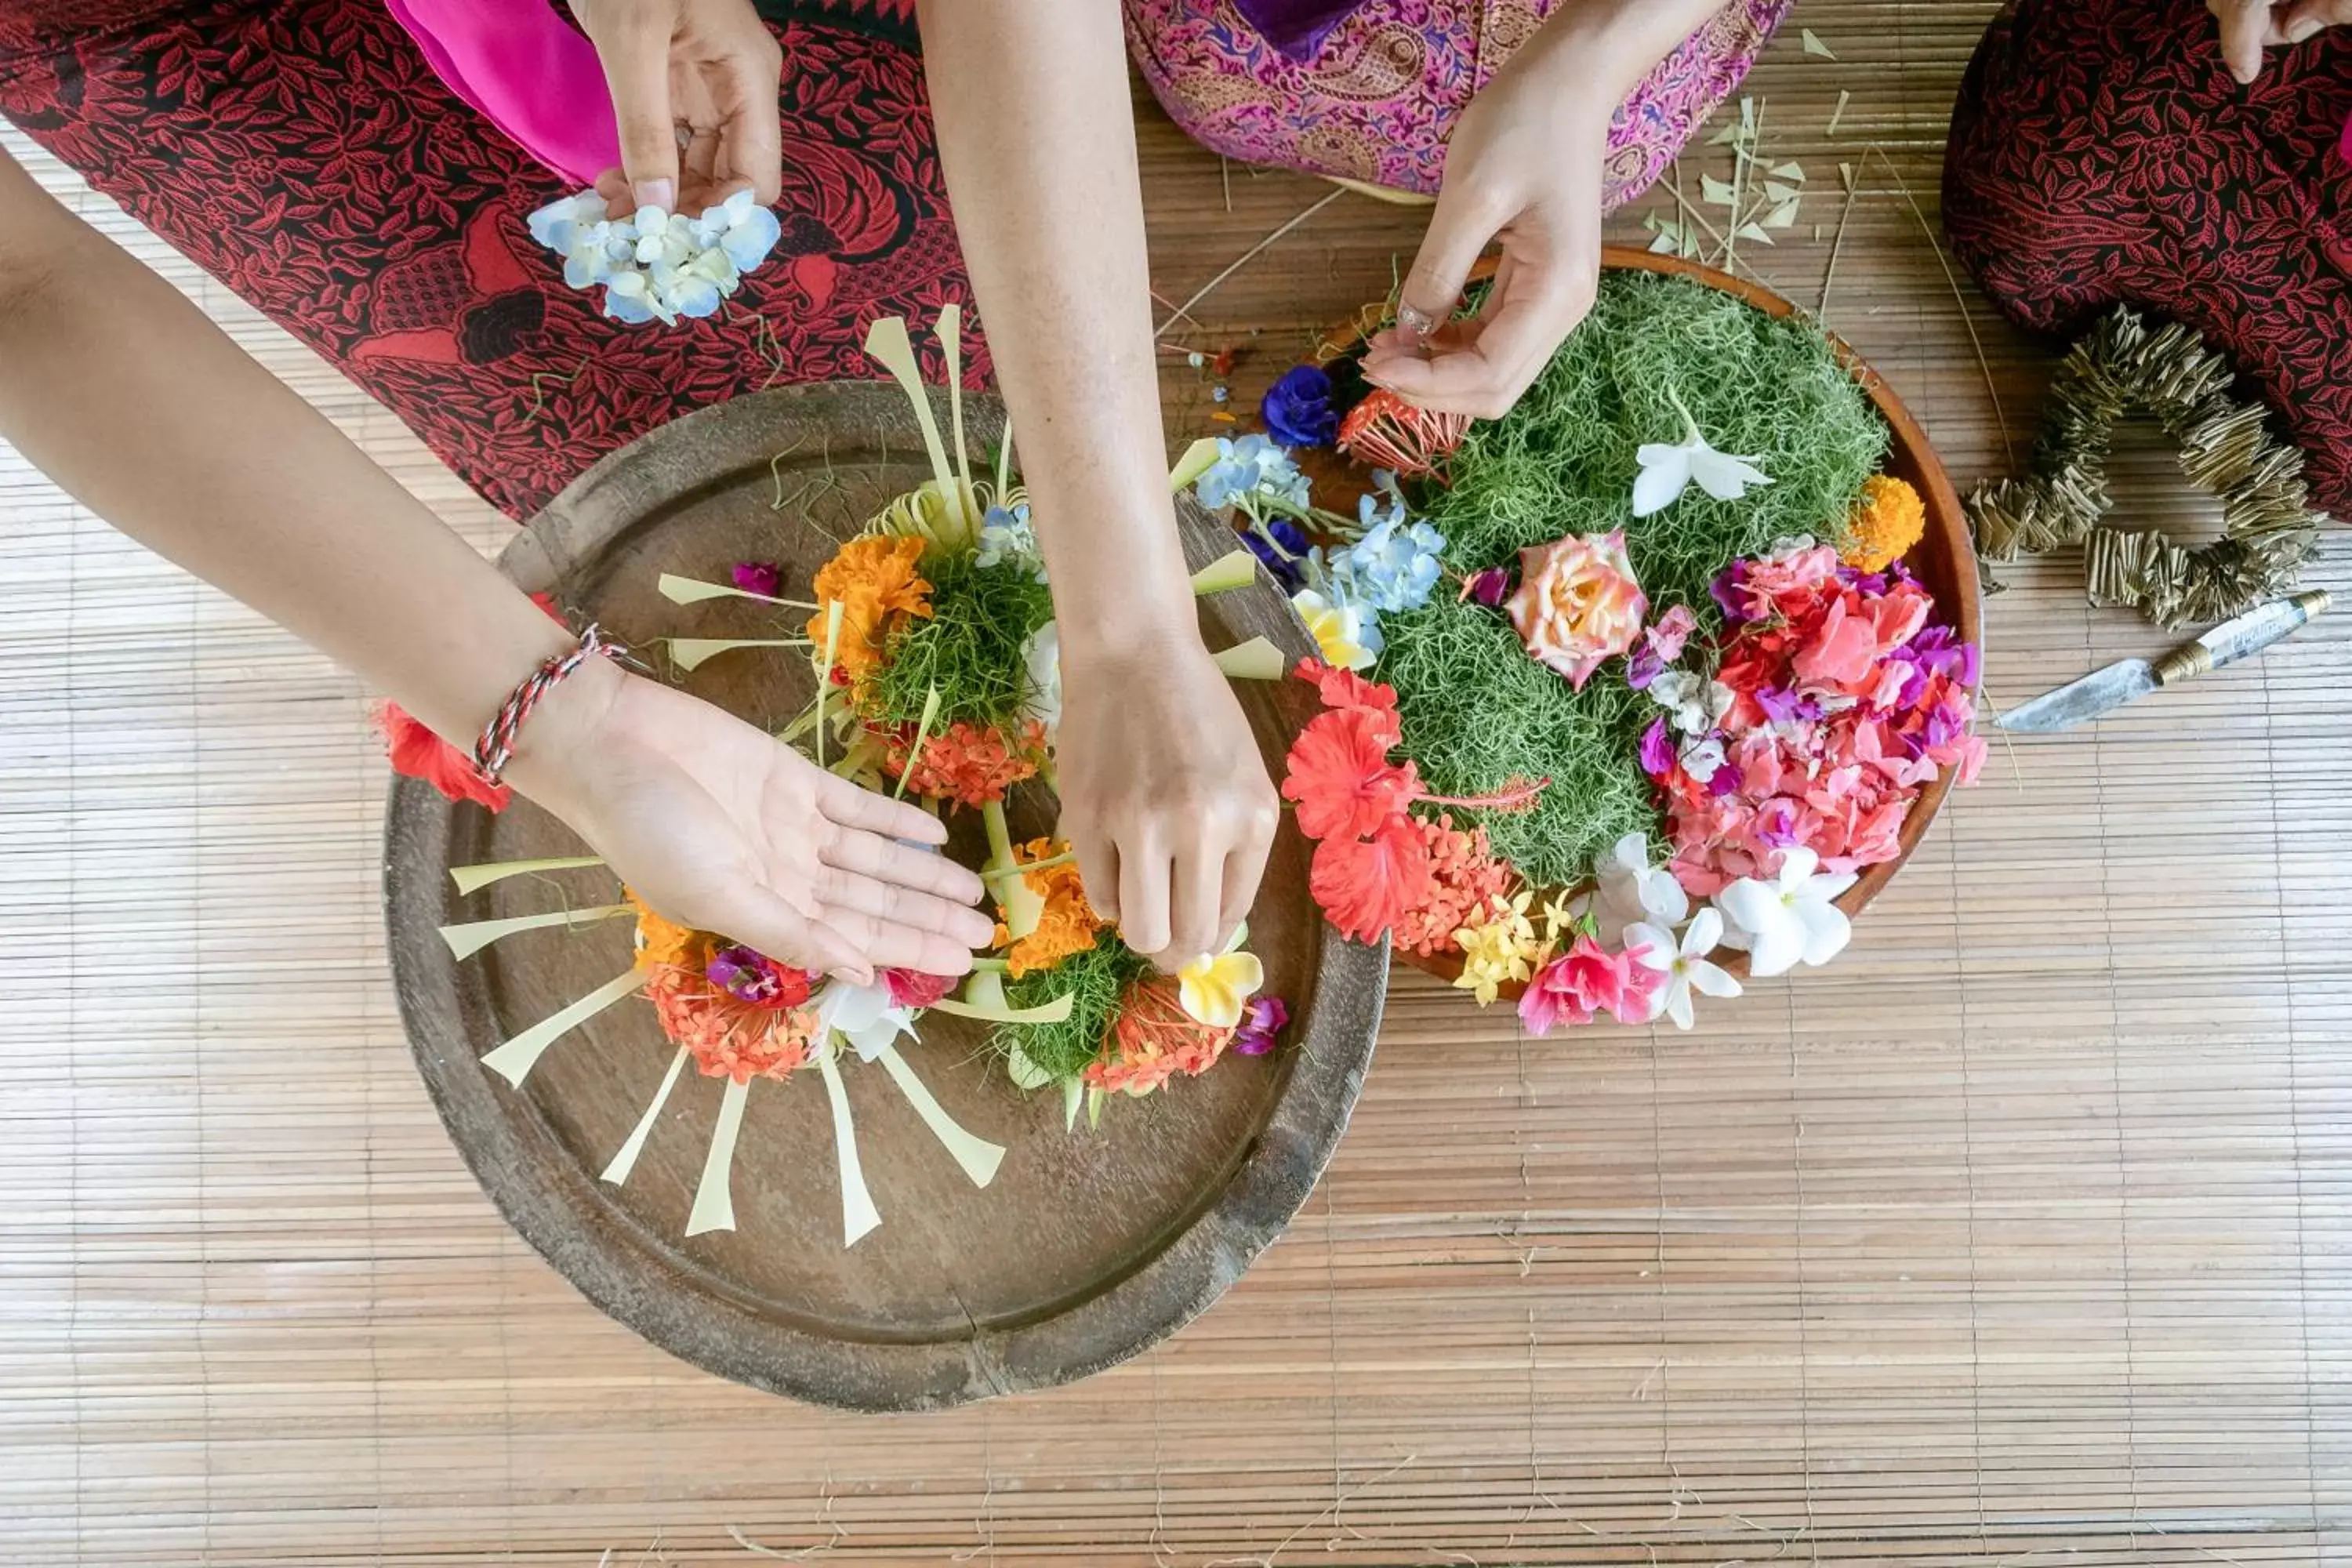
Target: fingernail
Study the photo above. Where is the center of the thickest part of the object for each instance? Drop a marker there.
(662, 194)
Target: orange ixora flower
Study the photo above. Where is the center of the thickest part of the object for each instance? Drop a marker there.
(1154, 1041)
(972, 763)
(1465, 877)
(729, 1037)
(663, 942)
(873, 578)
(1888, 520)
(1069, 923)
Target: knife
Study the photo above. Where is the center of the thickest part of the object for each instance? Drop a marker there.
(2117, 684)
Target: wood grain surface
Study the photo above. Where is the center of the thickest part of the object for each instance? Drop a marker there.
(2020, 1235)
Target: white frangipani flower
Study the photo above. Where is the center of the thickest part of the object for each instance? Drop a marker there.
(1630, 889)
(863, 1016)
(1041, 658)
(1667, 472)
(1789, 919)
(1683, 963)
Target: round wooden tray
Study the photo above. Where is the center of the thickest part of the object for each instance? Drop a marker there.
(1944, 559)
(1089, 1247)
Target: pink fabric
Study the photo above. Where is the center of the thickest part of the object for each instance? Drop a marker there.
(1379, 97)
(526, 72)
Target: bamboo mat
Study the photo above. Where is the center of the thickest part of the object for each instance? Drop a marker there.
(2019, 1235)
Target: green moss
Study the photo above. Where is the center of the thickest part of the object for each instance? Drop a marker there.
(1478, 712)
(1095, 980)
(970, 647)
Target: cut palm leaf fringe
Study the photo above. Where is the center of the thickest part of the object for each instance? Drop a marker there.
(473, 879)
(468, 938)
(514, 1060)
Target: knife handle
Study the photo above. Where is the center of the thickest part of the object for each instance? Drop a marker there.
(2233, 640)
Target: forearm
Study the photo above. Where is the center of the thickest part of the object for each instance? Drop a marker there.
(1037, 142)
(1611, 45)
(120, 390)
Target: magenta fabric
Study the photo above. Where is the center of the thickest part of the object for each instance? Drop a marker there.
(525, 71)
(1381, 94)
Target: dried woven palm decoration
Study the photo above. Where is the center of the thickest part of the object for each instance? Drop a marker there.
(2226, 448)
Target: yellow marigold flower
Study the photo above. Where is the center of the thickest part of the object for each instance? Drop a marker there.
(1498, 952)
(664, 941)
(1888, 520)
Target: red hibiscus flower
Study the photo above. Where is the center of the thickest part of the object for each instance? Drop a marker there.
(1344, 688)
(1366, 886)
(1340, 776)
(418, 752)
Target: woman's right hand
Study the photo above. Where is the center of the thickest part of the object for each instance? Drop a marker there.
(723, 828)
(2251, 27)
(699, 73)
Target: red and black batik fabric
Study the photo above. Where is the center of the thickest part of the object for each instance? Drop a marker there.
(2103, 154)
(303, 152)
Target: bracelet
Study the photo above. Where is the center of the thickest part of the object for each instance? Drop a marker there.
(494, 749)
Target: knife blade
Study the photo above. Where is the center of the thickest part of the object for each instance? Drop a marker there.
(2127, 680)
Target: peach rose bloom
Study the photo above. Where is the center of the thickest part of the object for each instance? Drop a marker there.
(1577, 605)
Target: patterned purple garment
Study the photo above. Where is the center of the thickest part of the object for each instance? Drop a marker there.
(1374, 95)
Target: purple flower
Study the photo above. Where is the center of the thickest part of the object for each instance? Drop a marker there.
(1944, 726)
(1776, 824)
(1937, 650)
(1725, 591)
(762, 577)
(1786, 707)
(1725, 779)
(1262, 1020)
(746, 976)
(1644, 668)
(1297, 408)
(1283, 547)
(1489, 587)
(1657, 752)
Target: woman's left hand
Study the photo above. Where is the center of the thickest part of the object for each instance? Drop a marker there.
(694, 86)
(1524, 169)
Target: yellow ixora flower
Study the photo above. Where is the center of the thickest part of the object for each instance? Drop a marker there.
(1215, 990)
(1338, 630)
(1498, 951)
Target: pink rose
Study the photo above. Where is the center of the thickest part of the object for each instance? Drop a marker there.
(1577, 605)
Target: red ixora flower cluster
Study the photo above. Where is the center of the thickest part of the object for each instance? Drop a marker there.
(1374, 869)
(1843, 701)
(968, 762)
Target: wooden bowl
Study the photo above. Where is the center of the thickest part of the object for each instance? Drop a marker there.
(1944, 559)
(1089, 1248)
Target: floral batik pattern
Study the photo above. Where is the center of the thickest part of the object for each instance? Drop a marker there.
(1379, 99)
(303, 152)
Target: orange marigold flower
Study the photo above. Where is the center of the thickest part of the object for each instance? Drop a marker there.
(873, 578)
(1888, 520)
(1154, 1041)
(663, 942)
(1463, 878)
(728, 1038)
(1069, 923)
(1340, 776)
(969, 762)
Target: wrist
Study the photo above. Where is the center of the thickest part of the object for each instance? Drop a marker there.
(556, 748)
(1594, 52)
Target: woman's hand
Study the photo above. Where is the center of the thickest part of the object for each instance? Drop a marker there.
(696, 75)
(1164, 796)
(723, 828)
(2250, 27)
(1524, 169)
